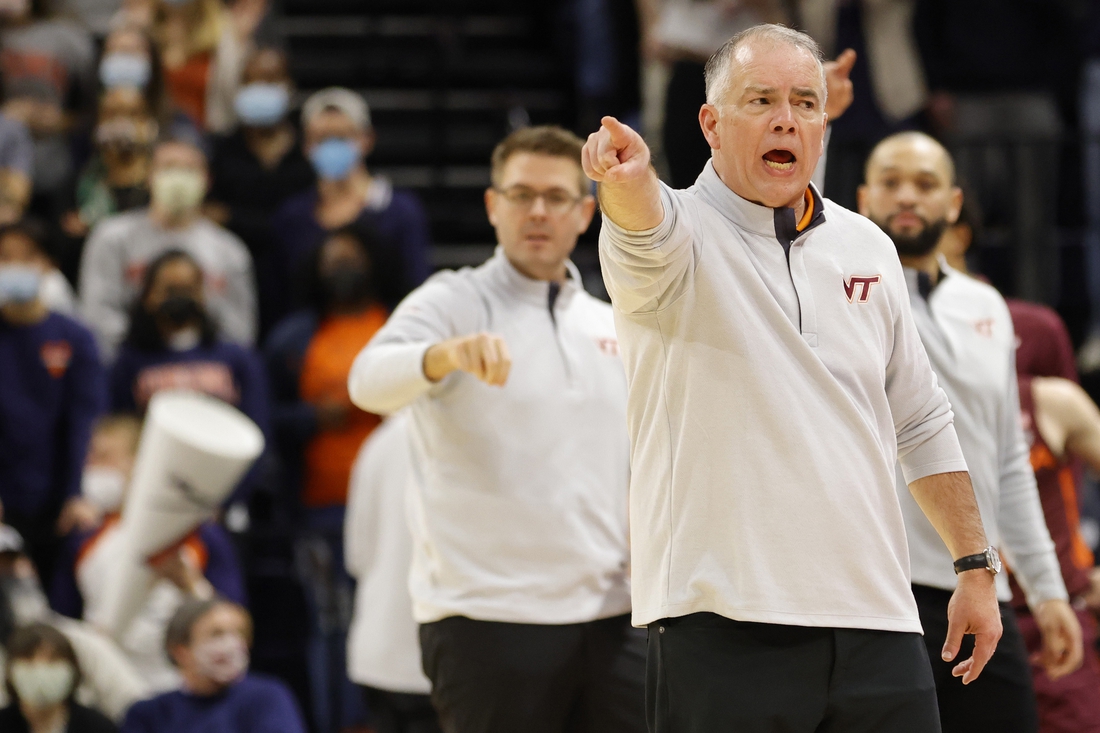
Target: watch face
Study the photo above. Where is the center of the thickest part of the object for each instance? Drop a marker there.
(993, 558)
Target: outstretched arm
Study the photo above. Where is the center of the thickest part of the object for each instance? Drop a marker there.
(617, 158)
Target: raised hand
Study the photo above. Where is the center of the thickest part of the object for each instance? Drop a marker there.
(615, 154)
(484, 355)
(838, 84)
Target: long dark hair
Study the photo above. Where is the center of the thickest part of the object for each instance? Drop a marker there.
(311, 290)
(143, 333)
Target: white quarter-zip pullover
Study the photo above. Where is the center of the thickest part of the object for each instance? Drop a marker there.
(775, 376)
(520, 505)
(967, 332)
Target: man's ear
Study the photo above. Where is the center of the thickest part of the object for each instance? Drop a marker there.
(861, 199)
(491, 205)
(955, 208)
(588, 210)
(708, 121)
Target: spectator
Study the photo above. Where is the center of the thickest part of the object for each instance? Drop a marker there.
(203, 47)
(109, 683)
(172, 344)
(51, 392)
(319, 430)
(16, 169)
(258, 167)
(130, 60)
(338, 137)
(43, 674)
(383, 642)
(209, 641)
(48, 77)
(121, 246)
(117, 177)
(56, 293)
(205, 562)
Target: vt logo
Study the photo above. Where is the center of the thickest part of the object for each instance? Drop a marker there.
(863, 283)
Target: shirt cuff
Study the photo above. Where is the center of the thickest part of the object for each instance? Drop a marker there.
(939, 454)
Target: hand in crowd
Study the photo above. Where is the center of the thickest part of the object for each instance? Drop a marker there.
(838, 84)
(181, 568)
(973, 610)
(1062, 651)
(78, 513)
(615, 153)
(484, 355)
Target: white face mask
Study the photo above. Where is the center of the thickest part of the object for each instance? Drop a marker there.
(42, 684)
(104, 486)
(185, 339)
(223, 659)
(178, 190)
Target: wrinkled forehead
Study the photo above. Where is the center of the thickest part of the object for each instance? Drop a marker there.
(911, 156)
(775, 65)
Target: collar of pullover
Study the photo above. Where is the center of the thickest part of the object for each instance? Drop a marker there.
(920, 284)
(532, 291)
(752, 217)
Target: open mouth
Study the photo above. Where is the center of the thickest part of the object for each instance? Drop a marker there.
(780, 160)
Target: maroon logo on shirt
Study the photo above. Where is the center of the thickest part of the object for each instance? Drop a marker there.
(56, 356)
(863, 283)
(608, 346)
(984, 327)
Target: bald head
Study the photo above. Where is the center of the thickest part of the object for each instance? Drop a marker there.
(909, 191)
(916, 146)
(737, 51)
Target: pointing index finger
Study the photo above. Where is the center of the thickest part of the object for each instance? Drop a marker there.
(620, 133)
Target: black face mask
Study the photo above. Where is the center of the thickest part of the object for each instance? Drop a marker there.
(921, 243)
(345, 287)
(180, 310)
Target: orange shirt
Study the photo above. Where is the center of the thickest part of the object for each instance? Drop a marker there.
(187, 86)
(325, 368)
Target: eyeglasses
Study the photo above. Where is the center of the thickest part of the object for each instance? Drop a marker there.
(556, 200)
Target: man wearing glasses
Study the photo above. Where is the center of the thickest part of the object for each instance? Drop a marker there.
(518, 500)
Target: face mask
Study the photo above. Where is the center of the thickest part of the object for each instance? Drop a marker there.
(334, 158)
(124, 70)
(179, 310)
(185, 340)
(103, 486)
(178, 190)
(345, 286)
(19, 284)
(223, 659)
(124, 133)
(261, 105)
(42, 684)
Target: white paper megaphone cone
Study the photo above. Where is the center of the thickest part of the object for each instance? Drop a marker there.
(194, 449)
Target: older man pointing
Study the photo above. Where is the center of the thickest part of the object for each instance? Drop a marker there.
(775, 376)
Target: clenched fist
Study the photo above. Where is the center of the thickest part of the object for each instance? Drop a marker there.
(615, 153)
(484, 355)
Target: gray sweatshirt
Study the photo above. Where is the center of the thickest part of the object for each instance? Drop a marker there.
(519, 507)
(967, 332)
(113, 266)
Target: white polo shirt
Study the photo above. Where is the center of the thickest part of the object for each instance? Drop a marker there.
(967, 331)
(519, 511)
(769, 399)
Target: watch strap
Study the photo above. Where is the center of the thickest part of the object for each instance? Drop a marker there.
(972, 562)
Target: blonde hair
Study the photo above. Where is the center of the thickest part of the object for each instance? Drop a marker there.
(205, 19)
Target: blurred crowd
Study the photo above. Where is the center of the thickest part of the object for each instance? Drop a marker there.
(175, 214)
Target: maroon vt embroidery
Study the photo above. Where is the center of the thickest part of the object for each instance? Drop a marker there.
(864, 283)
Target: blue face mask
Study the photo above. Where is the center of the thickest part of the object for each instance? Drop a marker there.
(19, 283)
(334, 158)
(124, 70)
(261, 105)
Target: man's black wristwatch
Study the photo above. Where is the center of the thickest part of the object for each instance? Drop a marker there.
(988, 560)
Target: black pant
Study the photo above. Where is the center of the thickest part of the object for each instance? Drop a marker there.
(400, 712)
(1002, 699)
(709, 674)
(490, 677)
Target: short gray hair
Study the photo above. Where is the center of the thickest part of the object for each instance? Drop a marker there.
(718, 66)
